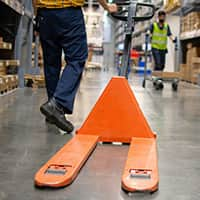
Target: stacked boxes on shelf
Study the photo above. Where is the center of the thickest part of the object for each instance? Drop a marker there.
(171, 5)
(8, 77)
(35, 81)
(191, 70)
(8, 83)
(8, 66)
(16, 5)
(5, 45)
(190, 22)
(195, 69)
(139, 37)
(32, 80)
(40, 56)
(190, 25)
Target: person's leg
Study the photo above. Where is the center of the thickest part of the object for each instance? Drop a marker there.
(162, 59)
(50, 29)
(52, 52)
(156, 57)
(52, 65)
(73, 41)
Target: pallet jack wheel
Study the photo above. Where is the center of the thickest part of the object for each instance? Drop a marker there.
(130, 193)
(144, 84)
(159, 85)
(152, 192)
(125, 191)
(175, 86)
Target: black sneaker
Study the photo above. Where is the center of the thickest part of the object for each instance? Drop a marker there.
(56, 115)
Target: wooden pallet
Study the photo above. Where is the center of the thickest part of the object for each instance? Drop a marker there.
(3, 86)
(5, 64)
(8, 83)
(5, 45)
(167, 75)
(37, 81)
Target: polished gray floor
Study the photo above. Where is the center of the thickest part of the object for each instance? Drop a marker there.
(26, 143)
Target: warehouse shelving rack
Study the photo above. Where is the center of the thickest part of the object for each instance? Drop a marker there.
(16, 29)
(189, 36)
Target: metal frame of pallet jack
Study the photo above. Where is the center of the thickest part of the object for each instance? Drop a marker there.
(120, 121)
(129, 28)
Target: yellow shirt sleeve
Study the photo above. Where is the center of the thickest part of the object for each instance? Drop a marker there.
(59, 3)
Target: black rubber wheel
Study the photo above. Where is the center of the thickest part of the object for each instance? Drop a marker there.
(106, 142)
(144, 83)
(153, 192)
(159, 85)
(175, 86)
(125, 191)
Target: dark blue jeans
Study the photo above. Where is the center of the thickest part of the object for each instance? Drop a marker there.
(63, 30)
(159, 59)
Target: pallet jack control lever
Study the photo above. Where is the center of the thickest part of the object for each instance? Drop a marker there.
(122, 13)
(127, 11)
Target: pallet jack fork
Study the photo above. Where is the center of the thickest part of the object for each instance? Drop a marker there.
(116, 117)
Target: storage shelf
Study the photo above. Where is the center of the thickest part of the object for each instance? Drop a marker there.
(140, 31)
(9, 63)
(190, 35)
(184, 9)
(5, 45)
(137, 44)
(15, 5)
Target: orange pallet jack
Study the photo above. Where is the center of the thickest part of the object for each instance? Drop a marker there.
(116, 117)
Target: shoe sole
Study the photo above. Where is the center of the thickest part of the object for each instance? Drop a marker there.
(49, 121)
(53, 120)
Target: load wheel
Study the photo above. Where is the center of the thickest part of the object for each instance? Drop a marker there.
(159, 85)
(144, 83)
(175, 86)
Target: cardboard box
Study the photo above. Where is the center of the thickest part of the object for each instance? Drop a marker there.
(192, 60)
(166, 74)
(196, 60)
(190, 22)
(183, 71)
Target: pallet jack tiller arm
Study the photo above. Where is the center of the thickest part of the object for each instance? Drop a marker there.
(116, 117)
(128, 13)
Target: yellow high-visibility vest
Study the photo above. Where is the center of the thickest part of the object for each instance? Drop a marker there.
(159, 37)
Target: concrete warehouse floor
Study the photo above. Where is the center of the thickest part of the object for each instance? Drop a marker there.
(26, 143)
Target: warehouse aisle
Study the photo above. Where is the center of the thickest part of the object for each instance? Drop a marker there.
(26, 143)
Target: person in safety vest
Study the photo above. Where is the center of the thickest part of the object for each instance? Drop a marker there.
(61, 26)
(160, 31)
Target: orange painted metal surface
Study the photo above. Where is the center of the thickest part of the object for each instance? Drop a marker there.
(65, 165)
(141, 169)
(116, 117)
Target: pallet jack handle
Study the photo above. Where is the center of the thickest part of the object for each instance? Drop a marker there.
(120, 15)
(128, 13)
(145, 56)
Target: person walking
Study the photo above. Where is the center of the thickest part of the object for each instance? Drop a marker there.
(160, 31)
(61, 26)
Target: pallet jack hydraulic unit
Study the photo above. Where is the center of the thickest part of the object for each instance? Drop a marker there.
(116, 117)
